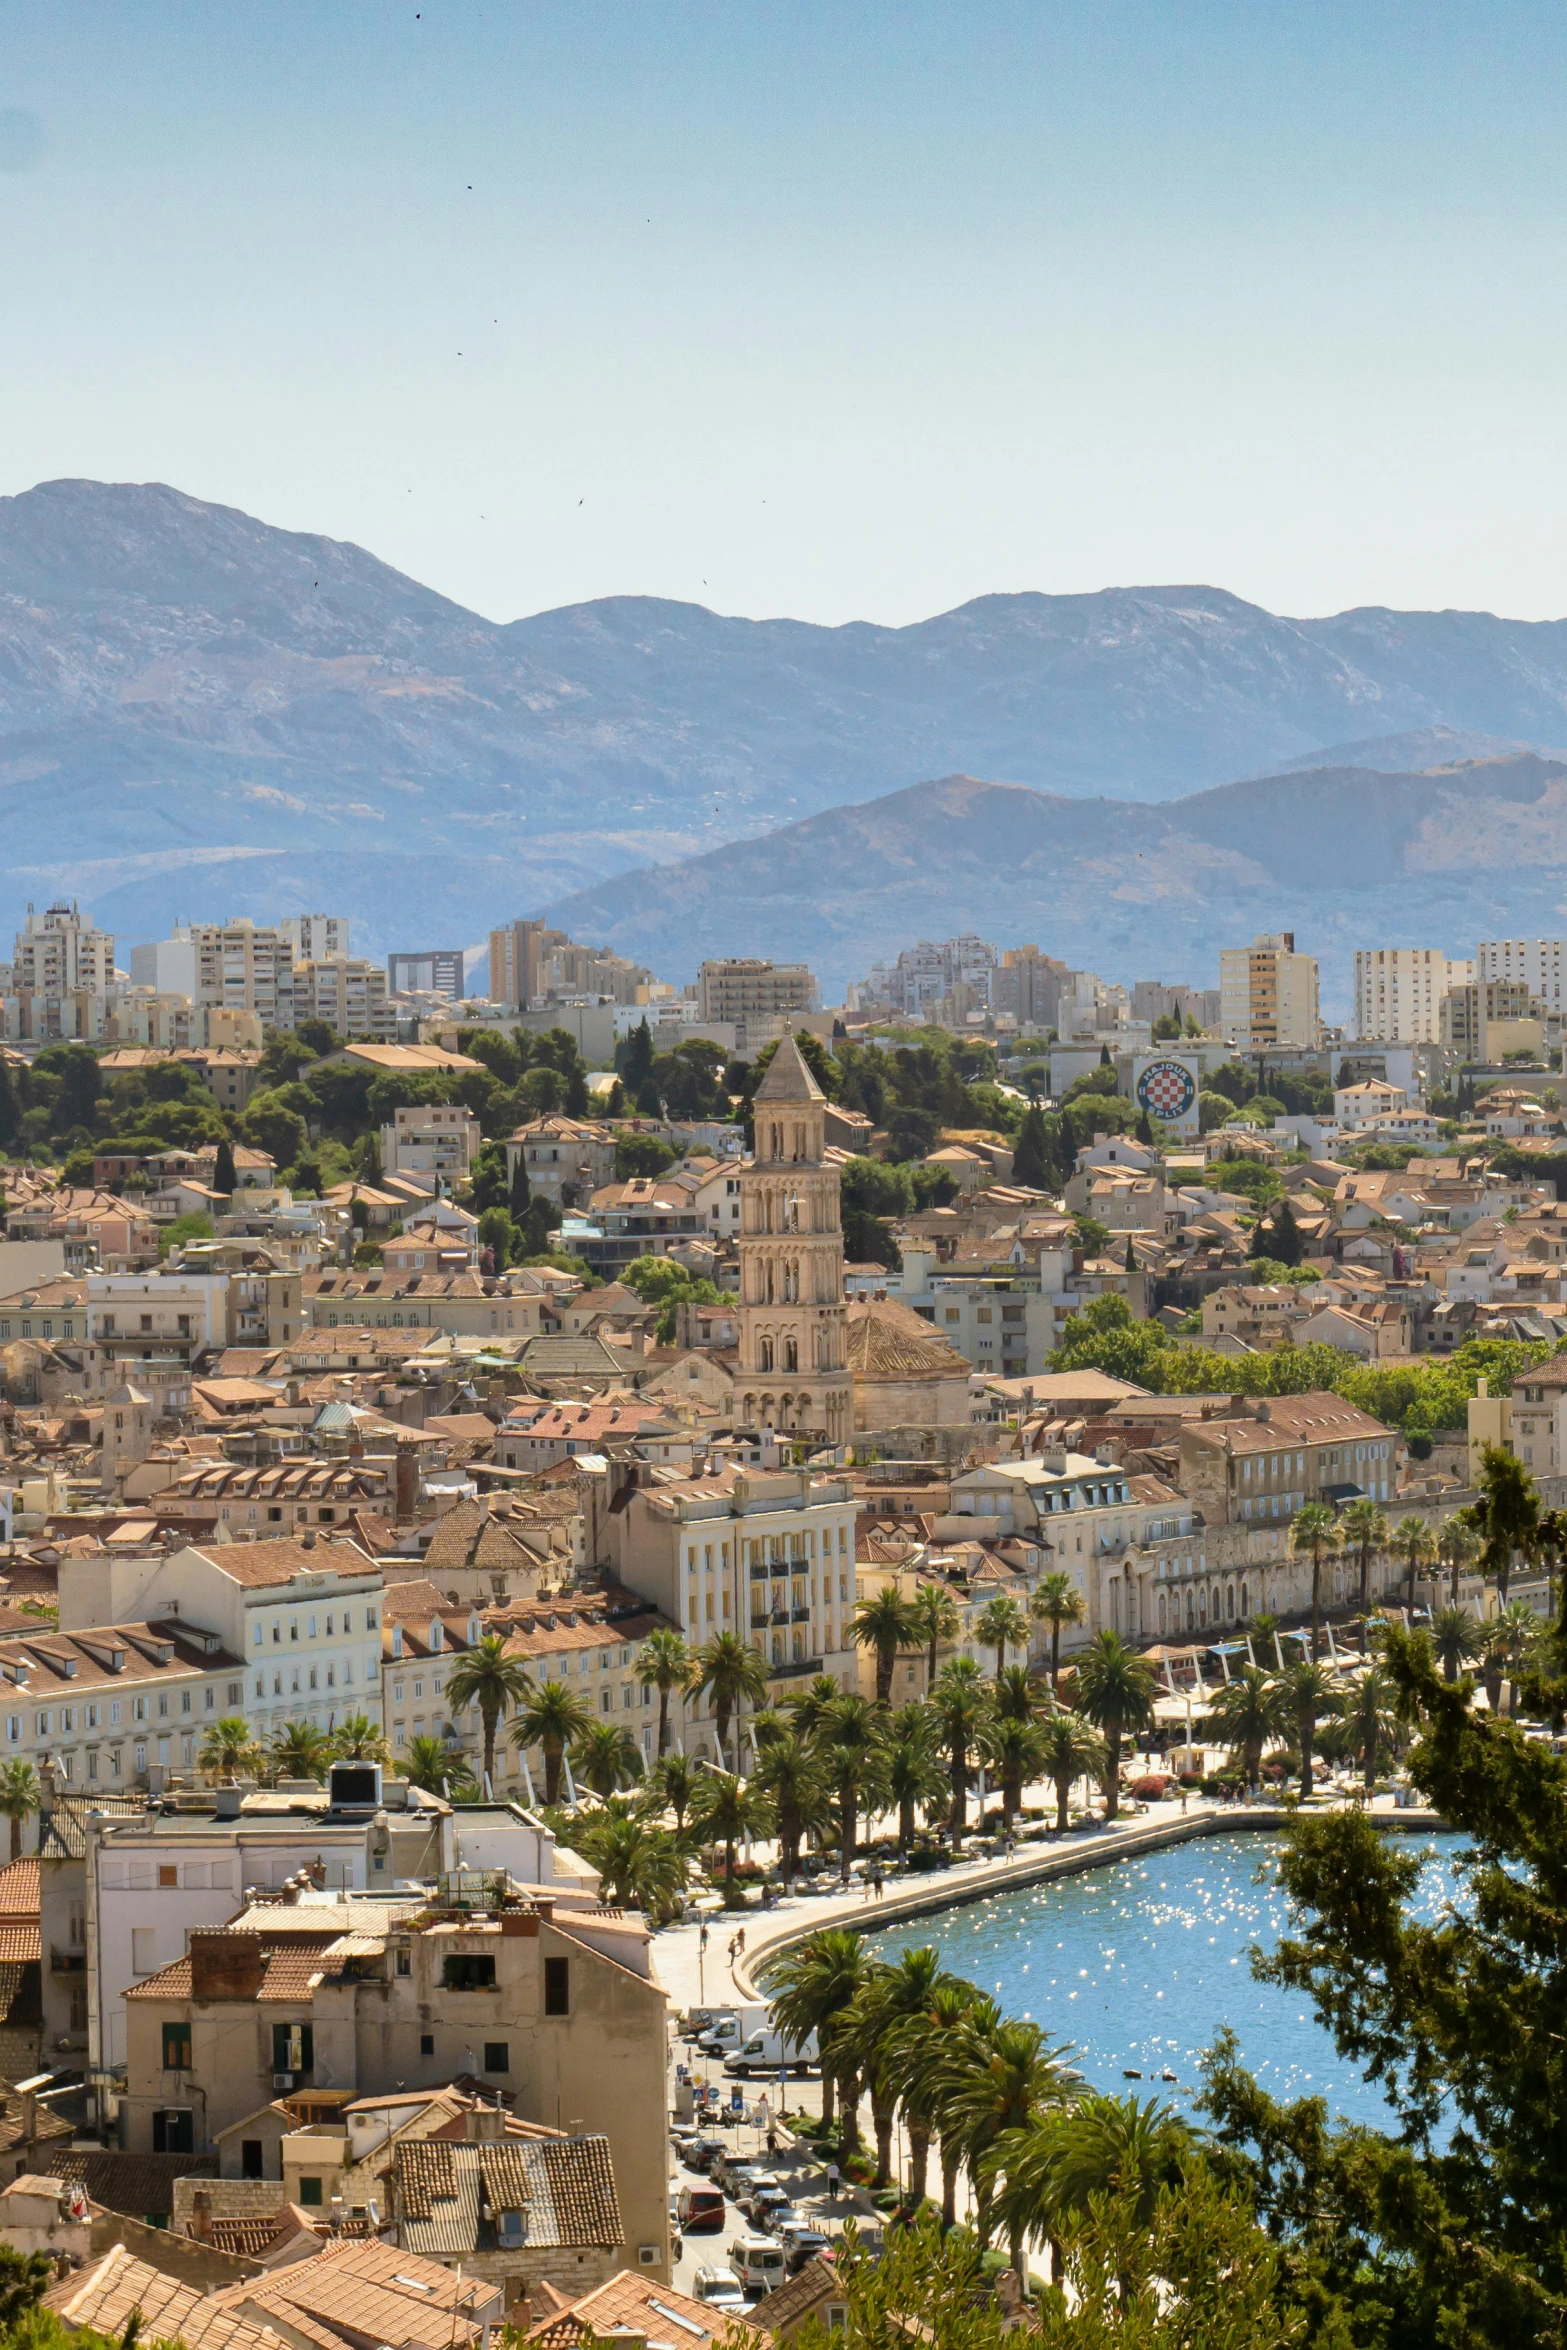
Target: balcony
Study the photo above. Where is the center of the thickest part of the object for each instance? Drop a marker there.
(67, 1962)
(758, 1621)
(800, 1615)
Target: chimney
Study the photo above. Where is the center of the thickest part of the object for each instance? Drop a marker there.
(407, 1484)
(201, 2216)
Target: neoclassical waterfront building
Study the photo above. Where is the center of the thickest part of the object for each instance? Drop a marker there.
(794, 1374)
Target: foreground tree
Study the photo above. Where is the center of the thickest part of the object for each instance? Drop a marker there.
(962, 1706)
(1413, 1542)
(228, 1750)
(731, 1812)
(438, 1768)
(604, 1758)
(550, 1717)
(641, 1866)
(1506, 1516)
(811, 1986)
(1454, 1640)
(1248, 1712)
(299, 1751)
(1309, 1691)
(933, 1618)
(1450, 2226)
(789, 1772)
(20, 1794)
(733, 1673)
(359, 1739)
(1069, 1749)
(884, 1623)
(911, 1749)
(1001, 1625)
(1364, 1531)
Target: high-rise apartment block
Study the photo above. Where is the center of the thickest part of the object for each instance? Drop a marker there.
(760, 1000)
(1268, 994)
(427, 971)
(58, 954)
(1399, 991)
(1535, 963)
(1028, 985)
(515, 952)
(316, 938)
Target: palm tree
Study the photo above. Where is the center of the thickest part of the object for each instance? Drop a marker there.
(1000, 2077)
(1248, 1711)
(933, 1618)
(883, 1622)
(1365, 1721)
(1518, 1630)
(919, 2049)
(1114, 1690)
(789, 1771)
(731, 1811)
(854, 1759)
(1057, 2164)
(911, 1747)
(1001, 1625)
(809, 1707)
(432, 1764)
(228, 1748)
(550, 1717)
(360, 1740)
(1507, 1514)
(1057, 1601)
(20, 1795)
(1454, 1638)
(961, 1704)
(1015, 1751)
(1070, 1749)
(604, 1758)
(491, 1678)
(1459, 1545)
(299, 1751)
(811, 1985)
(1315, 1530)
(1016, 1696)
(1364, 1530)
(1265, 1631)
(1413, 1542)
(640, 1866)
(671, 1785)
(736, 1675)
(889, 1997)
(664, 1664)
(1309, 1689)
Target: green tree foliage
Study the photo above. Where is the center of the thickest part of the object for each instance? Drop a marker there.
(642, 1154)
(1032, 1163)
(1447, 2226)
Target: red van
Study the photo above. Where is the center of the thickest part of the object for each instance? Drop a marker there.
(699, 2210)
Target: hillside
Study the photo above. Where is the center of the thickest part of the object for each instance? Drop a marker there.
(1343, 856)
(200, 713)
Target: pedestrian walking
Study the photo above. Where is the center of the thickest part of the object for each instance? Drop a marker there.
(701, 1940)
(879, 1881)
(740, 1942)
(832, 2182)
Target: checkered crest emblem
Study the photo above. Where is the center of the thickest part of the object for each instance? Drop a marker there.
(1166, 1089)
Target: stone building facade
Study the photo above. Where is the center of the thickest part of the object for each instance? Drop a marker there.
(794, 1375)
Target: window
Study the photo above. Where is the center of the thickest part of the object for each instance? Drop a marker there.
(168, 1873)
(557, 1986)
(497, 2056)
(465, 1971)
(426, 2043)
(250, 2158)
(173, 2132)
(405, 1959)
(293, 2048)
(309, 2191)
(144, 1950)
(176, 2048)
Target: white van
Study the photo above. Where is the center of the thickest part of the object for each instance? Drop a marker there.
(758, 2261)
(771, 2051)
(727, 2032)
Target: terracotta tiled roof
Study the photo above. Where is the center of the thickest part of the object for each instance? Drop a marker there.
(19, 1889)
(448, 2191)
(256, 1564)
(366, 2289)
(816, 2284)
(640, 2306)
(291, 1968)
(106, 2295)
(885, 1340)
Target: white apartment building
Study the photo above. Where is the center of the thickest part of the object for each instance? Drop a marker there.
(304, 1613)
(1399, 991)
(350, 996)
(238, 967)
(1268, 994)
(58, 954)
(1534, 963)
(167, 965)
(316, 938)
(112, 1699)
(437, 1139)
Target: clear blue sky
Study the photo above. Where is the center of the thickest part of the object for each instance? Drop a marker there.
(830, 310)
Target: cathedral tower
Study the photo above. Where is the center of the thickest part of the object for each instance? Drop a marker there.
(794, 1373)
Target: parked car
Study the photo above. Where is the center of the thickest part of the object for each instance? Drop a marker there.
(801, 2242)
(700, 2152)
(700, 2210)
(758, 2261)
(763, 2200)
(733, 2174)
(783, 2215)
(719, 2288)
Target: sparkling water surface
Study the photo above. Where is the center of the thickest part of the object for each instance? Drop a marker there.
(1140, 1964)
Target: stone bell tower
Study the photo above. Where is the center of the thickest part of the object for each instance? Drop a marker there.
(794, 1375)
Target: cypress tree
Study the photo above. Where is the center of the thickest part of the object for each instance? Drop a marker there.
(519, 1196)
(1031, 1159)
(224, 1178)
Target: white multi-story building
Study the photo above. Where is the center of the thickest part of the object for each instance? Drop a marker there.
(1268, 994)
(350, 996)
(437, 1139)
(1399, 991)
(316, 938)
(1534, 963)
(58, 954)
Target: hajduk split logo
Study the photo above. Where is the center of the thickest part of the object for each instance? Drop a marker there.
(1166, 1089)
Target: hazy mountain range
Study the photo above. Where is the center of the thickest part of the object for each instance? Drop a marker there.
(200, 714)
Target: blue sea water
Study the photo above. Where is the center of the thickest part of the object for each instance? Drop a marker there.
(1140, 1964)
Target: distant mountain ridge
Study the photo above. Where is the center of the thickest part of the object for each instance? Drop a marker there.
(202, 714)
(1345, 857)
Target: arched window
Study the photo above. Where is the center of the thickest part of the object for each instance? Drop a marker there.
(1245, 1602)
(1215, 1604)
(1161, 1611)
(777, 1648)
(1202, 1607)
(764, 1354)
(791, 1354)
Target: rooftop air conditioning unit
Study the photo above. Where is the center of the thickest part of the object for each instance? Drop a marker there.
(282, 2080)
